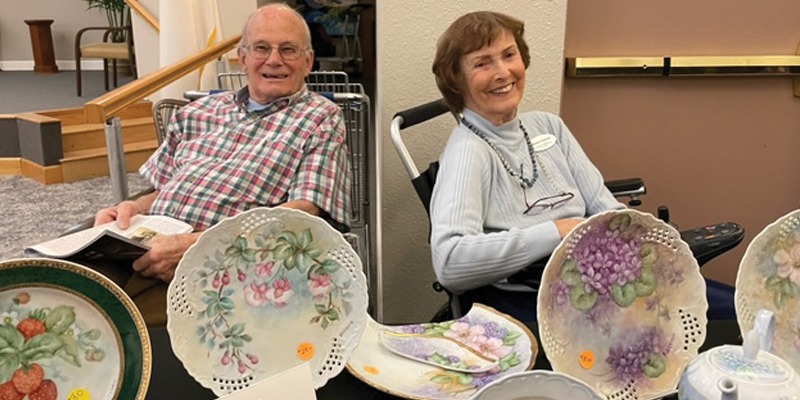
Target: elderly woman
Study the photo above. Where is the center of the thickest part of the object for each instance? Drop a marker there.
(511, 185)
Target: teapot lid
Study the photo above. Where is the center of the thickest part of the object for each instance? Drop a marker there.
(753, 362)
(764, 368)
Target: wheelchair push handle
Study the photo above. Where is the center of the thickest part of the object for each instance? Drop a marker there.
(422, 113)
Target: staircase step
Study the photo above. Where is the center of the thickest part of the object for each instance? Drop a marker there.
(90, 163)
(88, 136)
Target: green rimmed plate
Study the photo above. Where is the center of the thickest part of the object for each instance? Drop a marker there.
(66, 327)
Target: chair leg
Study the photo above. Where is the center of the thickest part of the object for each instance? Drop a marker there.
(105, 72)
(114, 72)
(78, 73)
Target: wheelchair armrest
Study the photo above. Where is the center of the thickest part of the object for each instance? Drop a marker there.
(630, 187)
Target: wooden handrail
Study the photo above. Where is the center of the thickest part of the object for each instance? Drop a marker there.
(111, 103)
(139, 9)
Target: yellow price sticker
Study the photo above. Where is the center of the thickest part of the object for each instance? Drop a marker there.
(305, 351)
(586, 359)
(79, 394)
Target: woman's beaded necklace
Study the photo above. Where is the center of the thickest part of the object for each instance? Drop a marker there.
(524, 182)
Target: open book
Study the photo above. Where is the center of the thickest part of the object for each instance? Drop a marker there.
(110, 242)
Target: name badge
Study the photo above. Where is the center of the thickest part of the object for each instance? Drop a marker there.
(543, 142)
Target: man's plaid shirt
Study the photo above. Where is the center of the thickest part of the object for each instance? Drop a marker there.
(219, 159)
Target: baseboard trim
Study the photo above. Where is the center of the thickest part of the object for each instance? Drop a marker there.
(10, 166)
(40, 173)
(63, 65)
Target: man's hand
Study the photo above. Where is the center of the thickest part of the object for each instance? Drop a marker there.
(123, 211)
(164, 254)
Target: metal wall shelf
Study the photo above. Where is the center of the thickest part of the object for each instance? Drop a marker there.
(666, 66)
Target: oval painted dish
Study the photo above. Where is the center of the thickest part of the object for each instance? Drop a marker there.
(67, 331)
(769, 278)
(622, 305)
(263, 292)
(497, 336)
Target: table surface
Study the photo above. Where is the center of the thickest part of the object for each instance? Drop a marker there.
(169, 380)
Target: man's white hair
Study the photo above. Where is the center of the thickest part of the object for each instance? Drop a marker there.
(280, 6)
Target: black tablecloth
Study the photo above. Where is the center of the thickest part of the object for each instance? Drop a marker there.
(169, 380)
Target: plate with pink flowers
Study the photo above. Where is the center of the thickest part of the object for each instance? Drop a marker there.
(262, 292)
(622, 305)
(769, 278)
(430, 371)
(68, 332)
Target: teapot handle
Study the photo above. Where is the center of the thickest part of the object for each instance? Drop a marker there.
(760, 337)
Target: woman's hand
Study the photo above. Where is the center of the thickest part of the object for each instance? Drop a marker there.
(164, 254)
(564, 226)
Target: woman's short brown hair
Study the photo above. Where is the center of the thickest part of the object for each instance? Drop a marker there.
(469, 33)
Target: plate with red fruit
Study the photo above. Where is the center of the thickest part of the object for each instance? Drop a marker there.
(68, 332)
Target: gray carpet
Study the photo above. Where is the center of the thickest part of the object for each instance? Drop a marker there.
(24, 91)
(32, 213)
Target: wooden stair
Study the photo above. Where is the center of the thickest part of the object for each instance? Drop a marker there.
(84, 144)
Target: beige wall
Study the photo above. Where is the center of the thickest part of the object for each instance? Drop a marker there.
(406, 39)
(69, 16)
(712, 149)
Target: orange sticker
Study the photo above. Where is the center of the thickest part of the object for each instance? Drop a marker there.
(371, 370)
(79, 394)
(305, 351)
(586, 359)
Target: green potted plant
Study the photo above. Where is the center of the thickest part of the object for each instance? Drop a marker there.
(116, 11)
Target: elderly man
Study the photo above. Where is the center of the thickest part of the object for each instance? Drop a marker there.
(273, 143)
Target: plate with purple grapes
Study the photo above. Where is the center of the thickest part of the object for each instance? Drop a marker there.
(622, 305)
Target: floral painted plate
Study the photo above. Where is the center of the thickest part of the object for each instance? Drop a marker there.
(440, 351)
(622, 305)
(484, 329)
(263, 292)
(769, 278)
(68, 332)
(537, 385)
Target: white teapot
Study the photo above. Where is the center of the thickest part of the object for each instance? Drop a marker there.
(741, 372)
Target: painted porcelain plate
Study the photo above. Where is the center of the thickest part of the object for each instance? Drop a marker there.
(491, 333)
(68, 332)
(262, 292)
(622, 305)
(537, 385)
(440, 351)
(769, 278)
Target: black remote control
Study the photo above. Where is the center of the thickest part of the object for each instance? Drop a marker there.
(710, 241)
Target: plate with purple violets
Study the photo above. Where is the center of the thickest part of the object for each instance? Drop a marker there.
(421, 368)
(622, 305)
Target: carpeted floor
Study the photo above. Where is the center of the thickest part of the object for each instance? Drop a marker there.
(33, 91)
(32, 213)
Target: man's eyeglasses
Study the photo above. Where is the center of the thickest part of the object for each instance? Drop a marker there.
(545, 203)
(262, 51)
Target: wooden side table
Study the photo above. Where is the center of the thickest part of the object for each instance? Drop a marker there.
(42, 41)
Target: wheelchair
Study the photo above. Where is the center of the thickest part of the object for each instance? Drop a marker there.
(706, 243)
